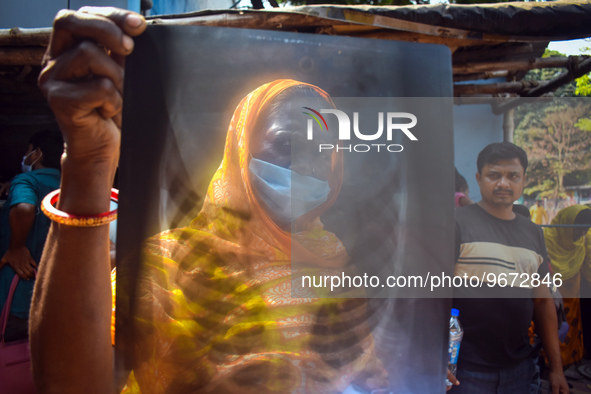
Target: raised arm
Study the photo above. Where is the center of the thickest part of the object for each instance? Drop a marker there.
(82, 80)
(21, 219)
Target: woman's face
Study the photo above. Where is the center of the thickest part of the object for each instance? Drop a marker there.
(280, 139)
(578, 232)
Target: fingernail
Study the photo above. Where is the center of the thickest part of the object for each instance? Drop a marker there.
(134, 20)
(127, 43)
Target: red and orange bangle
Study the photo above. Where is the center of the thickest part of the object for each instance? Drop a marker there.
(47, 206)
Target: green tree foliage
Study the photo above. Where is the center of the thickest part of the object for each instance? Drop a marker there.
(557, 139)
(584, 124)
(546, 74)
(578, 87)
(583, 87)
(584, 84)
(556, 135)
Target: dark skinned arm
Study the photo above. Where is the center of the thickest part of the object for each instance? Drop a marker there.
(71, 310)
(18, 256)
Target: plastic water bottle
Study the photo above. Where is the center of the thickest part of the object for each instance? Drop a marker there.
(456, 333)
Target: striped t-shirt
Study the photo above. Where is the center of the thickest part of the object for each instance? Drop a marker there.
(496, 318)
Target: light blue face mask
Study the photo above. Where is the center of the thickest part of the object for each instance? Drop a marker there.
(286, 193)
(27, 167)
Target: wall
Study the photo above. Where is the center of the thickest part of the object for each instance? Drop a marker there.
(475, 126)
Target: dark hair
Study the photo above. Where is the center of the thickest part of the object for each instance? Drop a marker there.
(51, 145)
(583, 217)
(521, 210)
(461, 183)
(497, 151)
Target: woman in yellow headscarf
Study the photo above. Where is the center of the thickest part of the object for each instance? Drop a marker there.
(217, 310)
(566, 248)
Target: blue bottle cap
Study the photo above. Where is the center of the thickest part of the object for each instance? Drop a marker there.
(455, 312)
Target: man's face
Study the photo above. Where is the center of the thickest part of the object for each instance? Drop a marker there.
(501, 183)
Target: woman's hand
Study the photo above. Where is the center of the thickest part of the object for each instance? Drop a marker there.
(70, 319)
(82, 78)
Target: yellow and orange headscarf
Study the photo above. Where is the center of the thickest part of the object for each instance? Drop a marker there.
(566, 255)
(215, 310)
(230, 195)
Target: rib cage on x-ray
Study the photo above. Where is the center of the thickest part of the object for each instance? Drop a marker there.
(179, 120)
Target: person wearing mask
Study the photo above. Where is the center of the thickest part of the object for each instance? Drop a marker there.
(23, 227)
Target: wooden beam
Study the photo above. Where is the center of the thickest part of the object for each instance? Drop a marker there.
(481, 76)
(509, 125)
(524, 88)
(544, 88)
(249, 20)
(23, 56)
(384, 34)
(25, 37)
(494, 88)
(266, 21)
(575, 71)
(495, 53)
(527, 64)
(497, 101)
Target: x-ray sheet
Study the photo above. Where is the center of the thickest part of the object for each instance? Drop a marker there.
(252, 159)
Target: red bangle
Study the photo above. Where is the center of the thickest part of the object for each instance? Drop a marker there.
(47, 206)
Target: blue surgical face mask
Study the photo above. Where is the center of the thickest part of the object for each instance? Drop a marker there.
(27, 167)
(286, 193)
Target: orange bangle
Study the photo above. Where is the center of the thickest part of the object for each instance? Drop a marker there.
(47, 206)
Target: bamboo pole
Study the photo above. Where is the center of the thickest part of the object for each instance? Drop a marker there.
(495, 102)
(494, 88)
(25, 37)
(526, 64)
(508, 125)
(512, 51)
(24, 56)
(575, 72)
(480, 76)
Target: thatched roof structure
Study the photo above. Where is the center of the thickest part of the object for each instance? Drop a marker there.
(487, 41)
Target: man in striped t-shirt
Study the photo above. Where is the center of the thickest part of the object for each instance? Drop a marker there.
(493, 243)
